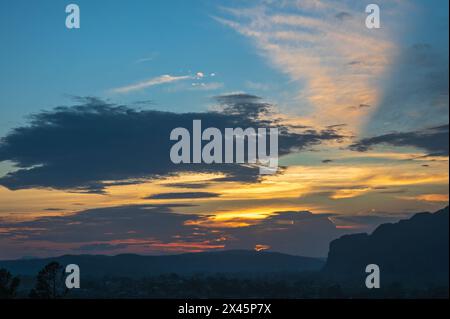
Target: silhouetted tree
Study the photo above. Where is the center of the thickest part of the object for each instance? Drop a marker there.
(50, 283)
(8, 284)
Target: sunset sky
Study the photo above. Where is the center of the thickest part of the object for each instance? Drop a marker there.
(85, 118)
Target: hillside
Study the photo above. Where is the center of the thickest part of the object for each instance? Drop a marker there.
(236, 261)
(412, 252)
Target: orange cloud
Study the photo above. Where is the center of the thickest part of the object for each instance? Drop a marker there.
(428, 197)
(261, 247)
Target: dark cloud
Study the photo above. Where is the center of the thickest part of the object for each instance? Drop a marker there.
(183, 195)
(434, 140)
(298, 233)
(355, 62)
(151, 228)
(124, 227)
(101, 247)
(337, 126)
(343, 16)
(359, 107)
(188, 185)
(248, 105)
(144, 103)
(368, 223)
(106, 224)
(394, 191)
(81, 147)
(169, 205)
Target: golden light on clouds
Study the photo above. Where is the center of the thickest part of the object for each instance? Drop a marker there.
(241, 204)
(440, 198)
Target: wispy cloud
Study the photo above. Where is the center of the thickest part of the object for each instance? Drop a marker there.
(323, 47)
(198, 83)
(434, 140)
(442, 198)
(257, 86)
(147, 58)
(184, 195)
(163, 79)
(207, 86)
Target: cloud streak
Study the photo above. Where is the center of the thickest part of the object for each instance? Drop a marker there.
(184, 195)
(434, 140)
(324, 48)
(147, 229)
(163, 79)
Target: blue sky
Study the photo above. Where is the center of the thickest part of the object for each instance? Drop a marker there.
(42, 62)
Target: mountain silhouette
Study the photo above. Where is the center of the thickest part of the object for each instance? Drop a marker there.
(129, 265)
(412, 252)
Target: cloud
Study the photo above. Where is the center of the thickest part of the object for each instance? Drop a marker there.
(358, 107)
(207, 86)
(164, 228)
(298, 233)
(163, 79)
(158, 230)
(184, 195)
(442, 198)
(241, 103)
(415, 93)
(339, 65)
(166, 78)
(147, 58)
(188, 185)
(141, 229)
(315, 45)
(367, 223)
(343, 15)
(95, 144)
(101, 247)
(434, 140)
(135, 222)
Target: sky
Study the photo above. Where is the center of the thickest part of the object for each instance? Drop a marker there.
(86, 114)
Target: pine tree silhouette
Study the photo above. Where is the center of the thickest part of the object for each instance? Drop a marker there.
(8, 284)
(50, 283)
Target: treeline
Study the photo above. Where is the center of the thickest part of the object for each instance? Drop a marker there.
(49, 284)
(286, 286)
